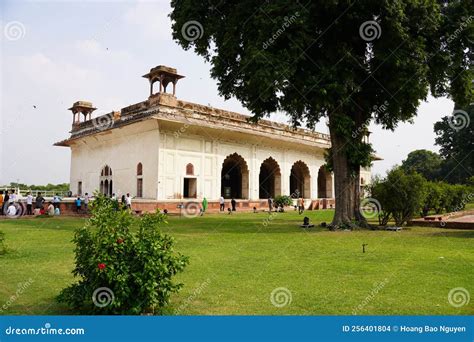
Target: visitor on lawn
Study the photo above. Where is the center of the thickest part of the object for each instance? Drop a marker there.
(11, 211)
(51, 209)
(233, 203)
(204, 205)
(78, 204)
(221, 203)
(39, 201)
(129, 201)
(29, 204)
(301, 205)
(124, 202)
(86, 201)
(12, 197)
(270, 203)
(56, 200)
(1, 202)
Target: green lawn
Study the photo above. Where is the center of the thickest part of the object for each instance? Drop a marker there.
(236, 261)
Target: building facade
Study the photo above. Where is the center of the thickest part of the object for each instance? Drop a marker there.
(165, 151)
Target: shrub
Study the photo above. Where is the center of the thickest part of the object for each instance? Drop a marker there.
(122, 271)
(433, 199)
(379, 191)
(283, 201)
(400, 195)
(3, 248)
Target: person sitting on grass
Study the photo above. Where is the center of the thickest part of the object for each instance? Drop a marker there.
(50, 209)
(11, 211)
(78, 204)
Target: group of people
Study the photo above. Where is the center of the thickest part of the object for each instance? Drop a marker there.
(9, 204)
(233, 204)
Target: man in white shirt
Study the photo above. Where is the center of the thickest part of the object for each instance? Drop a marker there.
(129, 201)
(11, 211)
(86, 201)
(221, 203)
(29, 204)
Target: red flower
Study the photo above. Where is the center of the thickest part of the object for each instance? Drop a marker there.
(101, 266)
(119, 241)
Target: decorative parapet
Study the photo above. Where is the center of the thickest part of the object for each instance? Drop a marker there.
(166, 107)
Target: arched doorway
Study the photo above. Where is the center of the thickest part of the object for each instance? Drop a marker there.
(324, 183)
(106, 186)
(234, 177)
(269, 179)
(300, 180)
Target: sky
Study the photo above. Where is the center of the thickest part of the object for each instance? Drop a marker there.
(54, 53)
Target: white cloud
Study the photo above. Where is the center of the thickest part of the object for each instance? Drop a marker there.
(151, 18)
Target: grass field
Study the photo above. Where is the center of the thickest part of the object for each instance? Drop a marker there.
(236, 261)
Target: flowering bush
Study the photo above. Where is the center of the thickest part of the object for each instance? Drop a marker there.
(122, 270)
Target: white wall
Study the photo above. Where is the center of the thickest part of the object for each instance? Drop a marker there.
(121, 149)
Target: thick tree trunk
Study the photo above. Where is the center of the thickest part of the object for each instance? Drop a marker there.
(346, 184)
(343, 183)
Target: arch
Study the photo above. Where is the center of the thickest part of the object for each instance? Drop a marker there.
(269, 179)
(190, 169)
(324, 183)
(139, 191)
(235, 177)
(106, 184)
(300, 180)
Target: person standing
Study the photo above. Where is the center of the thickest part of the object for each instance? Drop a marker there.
(6, 200)
(204, 205)
(301, 206)
(1, 202)
(233, 203)
(39, 201)
(221, 203)
(78, 204)
(12, 197)
(128, 200)
(56, 200)
(29, 204)
(270, 204)
(86, 202)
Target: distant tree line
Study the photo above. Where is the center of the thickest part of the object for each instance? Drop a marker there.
(48, 187)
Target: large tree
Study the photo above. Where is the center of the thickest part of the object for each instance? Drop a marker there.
(455, 136)
(424, 162)
(348, 61)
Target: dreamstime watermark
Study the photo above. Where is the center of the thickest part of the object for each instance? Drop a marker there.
(458, 296)
(104, 121)
(102, 297)
(281, 297)
(181, 131)
(370, 30)
(287, 22)
(196, 292)
(190, 209)
(21, 288)
(459, 120)
(14, 30)
(362, 129)
(464, 24)
(192, 30)
(369, 207)
(377, 287)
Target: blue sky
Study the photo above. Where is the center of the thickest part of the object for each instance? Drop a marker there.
(98, 51)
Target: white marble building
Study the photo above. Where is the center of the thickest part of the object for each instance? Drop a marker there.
(164, 150)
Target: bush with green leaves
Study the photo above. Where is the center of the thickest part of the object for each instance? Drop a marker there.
(282, 201)
(400, 195)
(122, 269)
(3, 247)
